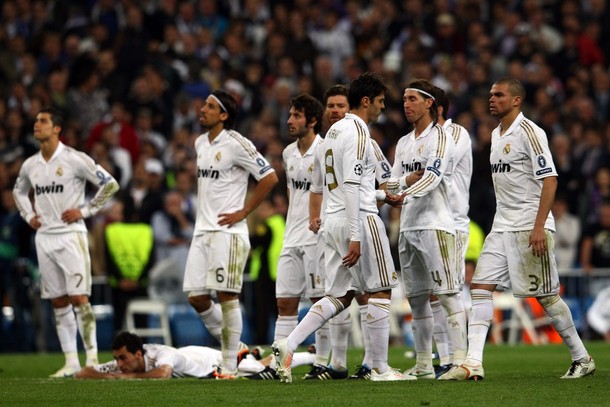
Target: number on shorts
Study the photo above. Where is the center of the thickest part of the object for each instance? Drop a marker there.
(534, 282)
(313, 280)
(80, 279)
(220, 275)
(329, 160)
(436, 277)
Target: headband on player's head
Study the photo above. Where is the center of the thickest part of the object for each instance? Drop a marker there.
(423, 92)
(224, 109)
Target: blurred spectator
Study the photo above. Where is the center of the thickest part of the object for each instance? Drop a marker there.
(598, 316)
(595, 246)
(119, 122)
(567, 234)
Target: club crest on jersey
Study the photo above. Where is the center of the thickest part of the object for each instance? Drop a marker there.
(218, 156)
(358, 169)
(506, 149)
(420, 149)
(541, 161)
(310, 169)
(59, 172)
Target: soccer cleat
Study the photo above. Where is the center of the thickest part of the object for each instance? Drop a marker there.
(416, 373)
(440, 370)
(66, 371)
(224, 374)
(267, 374)
(580, 369)
(390, 375)
(318, 372)
(283, 360)
(241, 355)
(363, 373)
(464, 372)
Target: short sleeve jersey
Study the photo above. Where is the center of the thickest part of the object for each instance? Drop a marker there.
(520, 158)
(183, 361)
(349, 158)
(58, 185)
(223, 169)
(462, 174)
(299, 174)
(428, 200)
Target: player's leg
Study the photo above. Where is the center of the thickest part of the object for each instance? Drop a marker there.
(289, 288)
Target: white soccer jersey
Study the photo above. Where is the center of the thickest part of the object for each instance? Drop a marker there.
(428, 200)
(59, 185)
(520, 159)
(222, 178)
(349, 158)
(462, 173)
(189, 361)
(299, 172)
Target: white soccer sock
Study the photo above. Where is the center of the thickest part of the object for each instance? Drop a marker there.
(66, 327)
(561, 318)
(367, 360)
(481, 314)
(439, 332)
(232, 326)
(456, 326)
(303, 358)
(212, 318)
(323, 345)
(378, 321)
(423, 325)
(339, 336)
(318, 314)
(284, 325)
(85, 318)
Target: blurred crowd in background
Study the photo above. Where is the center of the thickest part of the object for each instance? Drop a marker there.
(131, 77)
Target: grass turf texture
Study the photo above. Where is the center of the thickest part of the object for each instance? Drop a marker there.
(515, 376)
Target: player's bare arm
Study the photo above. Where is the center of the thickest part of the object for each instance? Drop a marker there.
(315, 205)
(538, 236)
(262, 189)
(71, 215)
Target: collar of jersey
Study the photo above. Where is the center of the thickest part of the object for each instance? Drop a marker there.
(60, 147)
(513, 125)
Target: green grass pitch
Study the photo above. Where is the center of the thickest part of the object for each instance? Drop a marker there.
(515, 376)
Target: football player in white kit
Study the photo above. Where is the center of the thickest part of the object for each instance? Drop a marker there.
(460, 194)
(422, 171)
(297, 272)
(136, 360)
(336, 106)
(354, 232)
(221, 245)
(518, 252)
(58, 175)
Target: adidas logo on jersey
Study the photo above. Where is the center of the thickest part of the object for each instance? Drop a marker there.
(49, 189)
(500, 167)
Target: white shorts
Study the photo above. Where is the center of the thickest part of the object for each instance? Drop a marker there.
(64, 263)
(216, 261)
(461, 246)
(375, 269)
(297, 273)
(507, 261)
(428, 262)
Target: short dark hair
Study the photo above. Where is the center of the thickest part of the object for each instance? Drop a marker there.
(56, 117)
(336, 90)
(369, 85)
(515, 87)
(427, 87)
(229, 106)
(312, 108)
(131, 342)
(441, 100)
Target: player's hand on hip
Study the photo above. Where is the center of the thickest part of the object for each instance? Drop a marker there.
(230, 219)
(353, 254)
(35, 222)
(538, 242)
(71, 215)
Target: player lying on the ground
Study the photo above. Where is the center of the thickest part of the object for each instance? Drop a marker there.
(135, 360)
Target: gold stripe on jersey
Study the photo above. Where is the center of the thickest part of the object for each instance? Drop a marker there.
(456, 133)
(531, 136)
(378, 153)
(361, 141)
(233, 266)
(241, 140)
(442, 243)
(421, 184)
(442, 144)
(379, 253)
